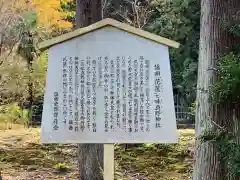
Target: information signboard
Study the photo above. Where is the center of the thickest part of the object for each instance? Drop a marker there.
(108, 86)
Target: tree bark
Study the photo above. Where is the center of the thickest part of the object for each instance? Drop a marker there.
(90, 156)
(30, 92)
(215, 41)
(88, 12)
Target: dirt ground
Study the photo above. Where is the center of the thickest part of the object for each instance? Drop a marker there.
(23, 158)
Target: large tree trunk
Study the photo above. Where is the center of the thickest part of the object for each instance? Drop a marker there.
(88, 12)
(90, 156)
(215, 41)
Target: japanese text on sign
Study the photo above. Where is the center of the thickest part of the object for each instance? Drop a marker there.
(125, 81)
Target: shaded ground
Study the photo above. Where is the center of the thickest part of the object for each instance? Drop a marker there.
(158, 162)
(23, 158)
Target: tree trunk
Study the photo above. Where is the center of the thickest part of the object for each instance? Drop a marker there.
(90, 156)
(30, 92)
(88, 12)
(215, 41)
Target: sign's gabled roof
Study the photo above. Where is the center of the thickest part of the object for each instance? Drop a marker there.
(108, 22)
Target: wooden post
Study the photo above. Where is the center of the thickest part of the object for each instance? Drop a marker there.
(108, 161)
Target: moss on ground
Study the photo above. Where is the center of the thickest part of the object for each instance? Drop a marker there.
(157, 161)
(22, 156)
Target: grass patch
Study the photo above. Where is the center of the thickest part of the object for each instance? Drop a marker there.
(20, 152)
(26, 157)
(158, 161)
(61, 167)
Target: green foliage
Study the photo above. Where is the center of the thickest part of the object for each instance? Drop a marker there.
(39, 74)
(68, 8)
(14, 78)
(226, 88)
(234, 27)
(180, 20)
(193, 108)
(175, 19)
(30, 19)
(227, 148)
(27, 27)
(61, 167)
(15, 73)
(228, 83)
(14, 114)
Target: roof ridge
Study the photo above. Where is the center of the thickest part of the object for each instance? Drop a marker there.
(106, 22)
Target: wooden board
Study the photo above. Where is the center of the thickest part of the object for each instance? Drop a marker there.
(120, 82)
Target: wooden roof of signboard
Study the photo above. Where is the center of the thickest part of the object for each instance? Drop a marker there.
(103, 23)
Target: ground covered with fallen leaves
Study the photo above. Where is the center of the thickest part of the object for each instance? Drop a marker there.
(23, 158)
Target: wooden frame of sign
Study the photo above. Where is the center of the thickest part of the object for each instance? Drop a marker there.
(108, 83)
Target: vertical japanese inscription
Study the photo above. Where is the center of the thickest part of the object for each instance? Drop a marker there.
(118, 93)
(124, 94)
(88, 90)
(136, 96)
(112, 96)
(147, 94)
(70, 93)
(82, 95)
(130, 95)
(142, 124)
(65, 89)
(76, 114)
(158, 91)
(55, 111)
(106, 94)
(100, 72)
(126, 86)
(94, 98)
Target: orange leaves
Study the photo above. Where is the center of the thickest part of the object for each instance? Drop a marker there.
(49, 15)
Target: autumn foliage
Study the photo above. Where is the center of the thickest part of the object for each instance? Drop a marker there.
(50, 15)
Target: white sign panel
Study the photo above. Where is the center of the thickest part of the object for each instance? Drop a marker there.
(108, 86)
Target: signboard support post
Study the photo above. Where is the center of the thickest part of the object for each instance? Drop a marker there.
(108, 161)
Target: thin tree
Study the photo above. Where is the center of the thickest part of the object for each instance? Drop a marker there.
(215, 41)
(90, 156)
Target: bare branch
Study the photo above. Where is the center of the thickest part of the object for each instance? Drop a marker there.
(132, 12)
(104, 4)
(11, 26)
